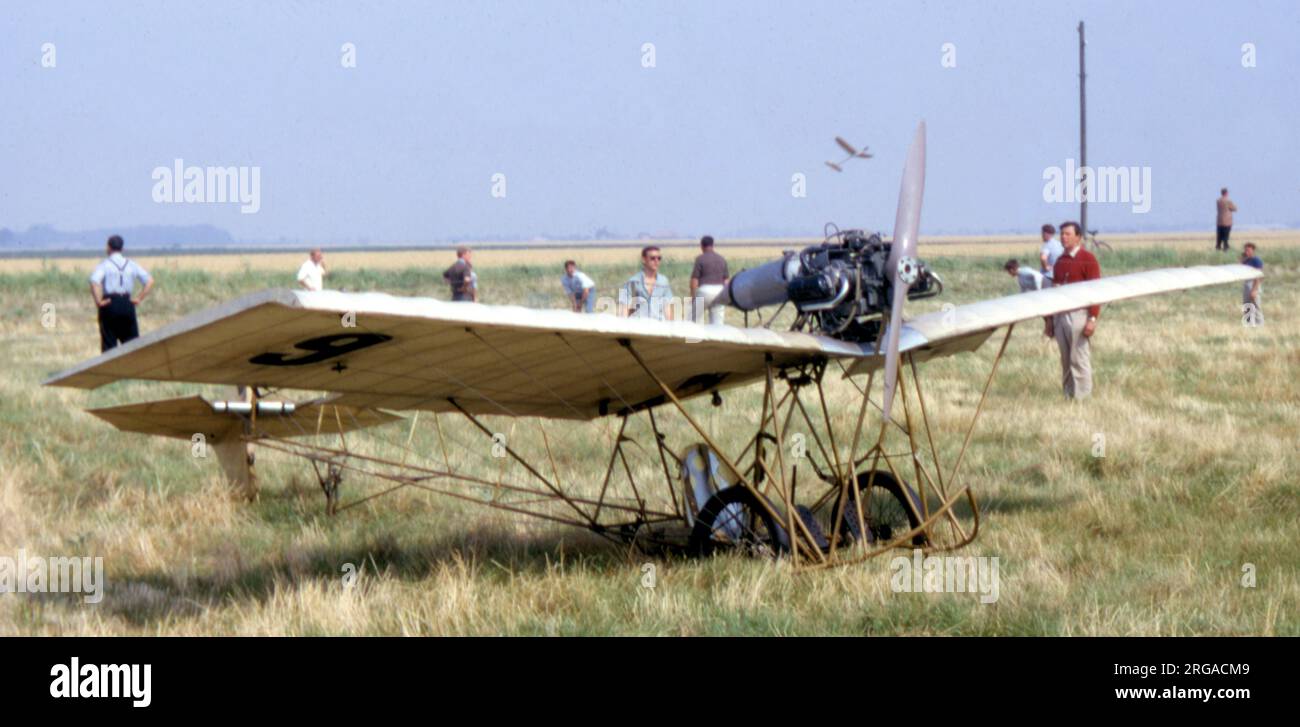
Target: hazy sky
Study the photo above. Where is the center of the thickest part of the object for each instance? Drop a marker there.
(554, 95)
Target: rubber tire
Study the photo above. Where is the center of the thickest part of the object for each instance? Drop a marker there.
(701, 540)
(814, 527)
(885, 481)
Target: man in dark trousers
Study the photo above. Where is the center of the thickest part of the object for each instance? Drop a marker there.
(1073, 329)
(112, 286)
(1224, 208)
(460, 276)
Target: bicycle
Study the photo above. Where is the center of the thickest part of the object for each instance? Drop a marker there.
(1097, 245)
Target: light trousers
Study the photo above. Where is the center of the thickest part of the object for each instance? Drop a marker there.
(705, 295)
(1076, 353)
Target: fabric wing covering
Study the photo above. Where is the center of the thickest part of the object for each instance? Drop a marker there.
(183, 417)
(375, 350)
(420, 353)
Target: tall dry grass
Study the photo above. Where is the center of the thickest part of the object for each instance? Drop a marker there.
(1199, 415)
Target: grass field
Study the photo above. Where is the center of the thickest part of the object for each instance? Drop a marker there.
(1200, 417)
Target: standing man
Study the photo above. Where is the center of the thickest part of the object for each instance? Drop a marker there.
(1050, 253)
(578, 288)
(1252, 313)
(311, 276)
(1028, 278)
(707, 280)
(462, 278)
(648, 293)
(1073, 329)
(1225, 209)
(112, 285)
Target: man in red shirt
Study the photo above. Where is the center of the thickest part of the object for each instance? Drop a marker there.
(1073, 329)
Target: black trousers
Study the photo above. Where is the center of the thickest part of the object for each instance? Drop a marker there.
(117, 322)
(1221, 237)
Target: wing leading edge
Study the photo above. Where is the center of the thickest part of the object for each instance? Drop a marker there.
(380, 351)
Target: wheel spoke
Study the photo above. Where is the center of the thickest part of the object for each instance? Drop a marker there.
(886, 509)
(733, 519)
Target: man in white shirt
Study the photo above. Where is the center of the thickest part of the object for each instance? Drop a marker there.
(579, 288)
(311, 275)
(1028, 278)
(1051, 251)
(112, 287)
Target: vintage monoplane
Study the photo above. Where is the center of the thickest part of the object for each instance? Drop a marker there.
(853, 153)
(846, 497)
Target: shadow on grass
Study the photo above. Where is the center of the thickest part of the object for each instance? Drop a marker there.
(152, 598)
(1009, 504)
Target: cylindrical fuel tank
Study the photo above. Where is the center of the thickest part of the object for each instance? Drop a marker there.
(761, 286)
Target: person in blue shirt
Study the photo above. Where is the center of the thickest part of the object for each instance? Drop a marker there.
(1051, 251)
(1026, 277)
(579, 288)
(648, 294)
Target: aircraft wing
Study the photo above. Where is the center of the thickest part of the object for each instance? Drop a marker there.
(420, 353)
(966, 327)
(184, 417)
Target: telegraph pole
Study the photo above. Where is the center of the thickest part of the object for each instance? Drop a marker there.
(1083, 139)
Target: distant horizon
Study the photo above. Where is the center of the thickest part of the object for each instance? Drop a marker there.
(14, 250)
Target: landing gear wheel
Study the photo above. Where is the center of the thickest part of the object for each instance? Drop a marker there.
(814, 527)
(890, 509)
(734, 519)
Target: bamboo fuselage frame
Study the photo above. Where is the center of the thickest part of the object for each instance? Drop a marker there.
(629, 516)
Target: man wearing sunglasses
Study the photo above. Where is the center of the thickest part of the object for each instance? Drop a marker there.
(648, 293)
